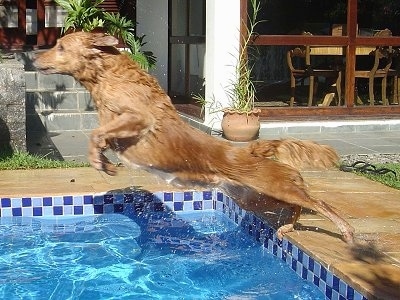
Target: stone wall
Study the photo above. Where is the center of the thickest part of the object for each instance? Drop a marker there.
(12, 105)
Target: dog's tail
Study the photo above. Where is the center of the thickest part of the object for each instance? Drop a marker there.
(298, 154)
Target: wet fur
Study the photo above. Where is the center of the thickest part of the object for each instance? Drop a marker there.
(138, 121)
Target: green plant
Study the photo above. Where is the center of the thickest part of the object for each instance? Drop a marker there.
(86, 15)
(20, 160)
(81, 14)
(119, 26)
(241, 91)
(123, 28)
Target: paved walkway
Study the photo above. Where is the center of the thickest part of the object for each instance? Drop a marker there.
(372, 266)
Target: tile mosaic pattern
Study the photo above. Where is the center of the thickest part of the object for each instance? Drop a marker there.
(105, 203)
(138, 201)
(306, 267)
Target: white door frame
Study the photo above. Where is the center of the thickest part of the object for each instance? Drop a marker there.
(222, 45)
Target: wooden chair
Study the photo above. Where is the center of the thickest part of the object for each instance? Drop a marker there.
(299, 63)
(380, 69)
(394, 73)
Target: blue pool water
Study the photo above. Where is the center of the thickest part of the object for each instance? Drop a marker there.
(196, 255)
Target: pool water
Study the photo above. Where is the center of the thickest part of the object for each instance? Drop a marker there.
(197, 255)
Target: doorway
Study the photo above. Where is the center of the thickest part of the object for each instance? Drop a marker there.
(186, 48)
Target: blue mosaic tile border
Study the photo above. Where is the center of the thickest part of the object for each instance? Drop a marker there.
(138, 201)
(105, 203)
(299, 261)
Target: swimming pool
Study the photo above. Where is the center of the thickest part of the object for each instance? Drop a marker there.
(188, 224)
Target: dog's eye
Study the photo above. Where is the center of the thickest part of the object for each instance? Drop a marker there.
(60, 47)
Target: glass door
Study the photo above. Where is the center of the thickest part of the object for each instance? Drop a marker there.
(186, 50)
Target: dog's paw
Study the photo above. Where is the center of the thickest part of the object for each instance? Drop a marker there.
(101, 163)
(280, 233)
(348, 236)
(98, 140)
(110, 169)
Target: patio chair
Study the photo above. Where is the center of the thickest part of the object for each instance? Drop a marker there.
(299, 63)
(381, 68)
(393, 74)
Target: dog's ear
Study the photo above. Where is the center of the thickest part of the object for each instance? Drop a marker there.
(102, 40)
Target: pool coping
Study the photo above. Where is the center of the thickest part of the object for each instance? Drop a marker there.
(372, 208)
(288, 250)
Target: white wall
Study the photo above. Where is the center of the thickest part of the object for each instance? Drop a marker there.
(152, 18)
(222, 48)
(222, 43)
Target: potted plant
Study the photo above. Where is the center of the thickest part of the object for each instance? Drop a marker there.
(240, 121)
(81, 15)
(86, 15)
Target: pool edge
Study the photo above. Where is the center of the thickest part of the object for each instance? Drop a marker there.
(297, 258)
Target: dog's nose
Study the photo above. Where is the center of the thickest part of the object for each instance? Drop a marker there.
(37, 54)
(35, 57)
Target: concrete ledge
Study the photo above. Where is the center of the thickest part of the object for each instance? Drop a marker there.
(59, 100)
(306, 127)
(12, 105)
(328, 126)
(63, 120)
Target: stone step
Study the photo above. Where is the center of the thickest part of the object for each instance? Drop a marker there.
(55, 82)
(64, 120)
(57, 102)
(44, 100)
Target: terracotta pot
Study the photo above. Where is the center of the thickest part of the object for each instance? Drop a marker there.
(241, 127)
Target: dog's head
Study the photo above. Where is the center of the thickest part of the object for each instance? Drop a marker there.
(73, 51)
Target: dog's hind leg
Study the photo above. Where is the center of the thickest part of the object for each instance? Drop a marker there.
(261, 204)
(297, 195)
(285, 184)
(345, 228)
(301, 197)
(289, 227)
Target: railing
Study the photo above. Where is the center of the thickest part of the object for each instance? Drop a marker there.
(29, 24)
(350, 42)
(36, 23)
(12, 23)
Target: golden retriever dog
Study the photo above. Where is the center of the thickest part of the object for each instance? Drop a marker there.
(138, 121)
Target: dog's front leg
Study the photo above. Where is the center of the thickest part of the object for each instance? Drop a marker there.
(124, 126)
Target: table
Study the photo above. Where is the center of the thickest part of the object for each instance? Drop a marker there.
(338, 50)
